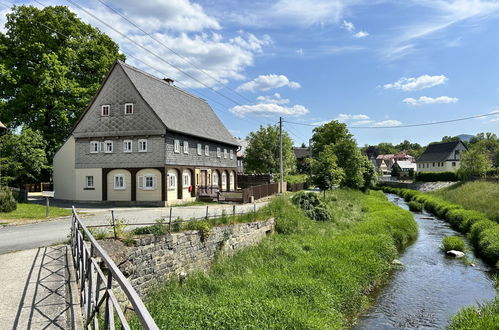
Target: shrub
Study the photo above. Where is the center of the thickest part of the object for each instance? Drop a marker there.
(453, 243)
(318, 213)
(289, 219)
(416, 206)
(203, 227)
(306, 201)
(436, 176)
(7, 201)
(157, 229)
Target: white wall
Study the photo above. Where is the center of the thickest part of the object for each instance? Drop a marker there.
(445, 167)
(64, 171)
(85, 194)
(119, 194)
(149, 195)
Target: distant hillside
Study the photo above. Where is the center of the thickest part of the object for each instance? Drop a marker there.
(465, 137)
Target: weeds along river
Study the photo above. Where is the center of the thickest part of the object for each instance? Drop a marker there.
(429, 288)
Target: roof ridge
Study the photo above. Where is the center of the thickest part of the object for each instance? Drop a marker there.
(160, 80)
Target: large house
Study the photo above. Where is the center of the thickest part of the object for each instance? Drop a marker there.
(142, 139)
(441, 157)
(384, 162)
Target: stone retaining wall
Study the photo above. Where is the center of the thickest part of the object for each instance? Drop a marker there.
(154, 259)
(421, 186)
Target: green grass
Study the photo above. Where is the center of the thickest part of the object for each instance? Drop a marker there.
(485, 316)
(415, 206)
(33, 211)
(309, 275)
(453, 243)
(296, 178)
(478, 196)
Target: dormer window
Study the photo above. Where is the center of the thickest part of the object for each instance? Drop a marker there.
(128, 108)
(105, 109)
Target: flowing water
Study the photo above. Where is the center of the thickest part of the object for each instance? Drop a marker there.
(430, 287)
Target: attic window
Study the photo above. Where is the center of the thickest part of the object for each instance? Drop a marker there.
(105, 109)
(128, 108)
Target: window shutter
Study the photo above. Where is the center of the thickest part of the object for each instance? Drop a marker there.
(154, 182)
(140, 181)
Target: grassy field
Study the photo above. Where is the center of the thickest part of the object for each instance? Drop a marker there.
(32, 212)
(478, 196)
(309, 275)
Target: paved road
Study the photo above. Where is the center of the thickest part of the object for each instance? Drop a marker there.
(22, 237)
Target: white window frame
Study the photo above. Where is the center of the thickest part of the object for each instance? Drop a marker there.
(106, 144)
(224, 179)
(172, 181)
(219, 152)
(207, 150)
(214, 179)
(185, 147)
(231, 154)
(200, 149)
(102, 110)
(126, 105)
(139, 142)
(87, 185)
(185, 183)
(231, 179)
(123, 187)
(144, 182)
(225, 153)
(176, 146)
(94, 144)
(125, 143)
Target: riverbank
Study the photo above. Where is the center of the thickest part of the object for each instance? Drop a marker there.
(308, 275)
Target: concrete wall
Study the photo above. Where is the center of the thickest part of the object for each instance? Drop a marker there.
(192, 158)
(154, 259)
(85, 194)
(149, 195)
(119, 194)
(64, 171)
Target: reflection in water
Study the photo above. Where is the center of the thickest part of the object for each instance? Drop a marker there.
(431, 287)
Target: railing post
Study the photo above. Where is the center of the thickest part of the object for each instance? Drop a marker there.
(206, 212)
(170, 222)
(114, 225)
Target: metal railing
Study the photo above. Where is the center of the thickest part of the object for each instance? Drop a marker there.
(95, 283)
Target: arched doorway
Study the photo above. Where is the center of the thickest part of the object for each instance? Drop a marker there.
(232, 181)
(148, 185)
(119, 185)
(224, 181)
(186, 183)
(172, 184)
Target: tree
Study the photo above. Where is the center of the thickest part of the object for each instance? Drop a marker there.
(262, 153)
(23, 157)
(386, 148)
(48, 78)
(351, 161)
(395, 171)
(474, 162)
(450, 138)
(369, 173)
(325, 170)
(329, 133)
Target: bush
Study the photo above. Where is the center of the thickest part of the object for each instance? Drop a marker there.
(7, 201)
(157, 229)
(416, 206)
(306, 201)
(319, 213)
(436, 176)
(453, 243)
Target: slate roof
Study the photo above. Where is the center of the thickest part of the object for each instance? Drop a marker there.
(178, 110)
(438, 152)
(301, 153)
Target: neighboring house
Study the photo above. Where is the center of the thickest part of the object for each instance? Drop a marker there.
(441, 157)
(301, 155)
(405, 167)
(241, 153)
(384, 162)
(144, 140)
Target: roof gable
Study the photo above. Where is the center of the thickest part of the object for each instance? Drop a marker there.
(178, 110)
(439, 152)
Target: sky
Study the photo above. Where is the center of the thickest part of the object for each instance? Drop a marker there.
(368, 63)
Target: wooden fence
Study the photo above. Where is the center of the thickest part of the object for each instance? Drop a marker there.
(260, 191)
(294, 187)
(39, 187)
(250, 180)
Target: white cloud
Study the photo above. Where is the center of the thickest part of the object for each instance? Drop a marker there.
(361, 34)
(414, 84)
(275, 99)
(348, 26)
(269, 109)
(430, 100)
(307, 12)
(268, 82)
(387, 123)
(342, 117)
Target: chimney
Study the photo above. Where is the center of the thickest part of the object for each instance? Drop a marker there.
(169, 81)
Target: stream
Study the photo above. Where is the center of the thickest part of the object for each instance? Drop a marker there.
(430, 287)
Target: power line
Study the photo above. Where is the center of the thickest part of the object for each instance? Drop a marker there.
(405, 126)
(173, 51)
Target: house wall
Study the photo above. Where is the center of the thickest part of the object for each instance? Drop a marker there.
(116, 91)
(192, 158)
(64, 171)
(149, 195)
(154, 157)
(119, 194)
(85, 194)
(435, 167)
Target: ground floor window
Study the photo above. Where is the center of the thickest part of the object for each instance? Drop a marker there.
(119, 182)
(149, 182)
(187, 180)
(214, 179)
(172, 181)
(89, 181)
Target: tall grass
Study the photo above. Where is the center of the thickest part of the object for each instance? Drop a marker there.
(485, 316)
(309, 275)
(478, 196)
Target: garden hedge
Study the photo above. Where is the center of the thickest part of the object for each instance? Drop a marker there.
(482, 232)
(7, 201)
(436, 176)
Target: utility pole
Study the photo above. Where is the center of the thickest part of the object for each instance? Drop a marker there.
(281, 177)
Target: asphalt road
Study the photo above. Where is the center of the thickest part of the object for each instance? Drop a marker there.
(30, 236)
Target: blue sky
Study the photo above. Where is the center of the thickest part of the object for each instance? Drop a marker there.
(367, 63)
